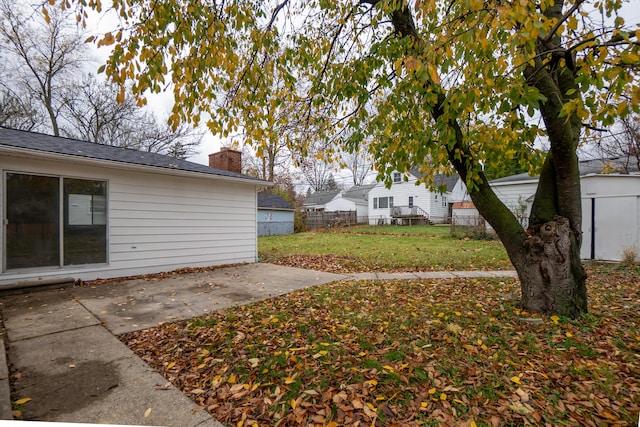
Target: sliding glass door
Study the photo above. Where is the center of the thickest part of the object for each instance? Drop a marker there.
(33, 221)
(47, 216)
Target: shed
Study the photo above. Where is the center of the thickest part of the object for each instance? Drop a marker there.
(83, 210)
(275, 215)
(610, 216)
(610, 190)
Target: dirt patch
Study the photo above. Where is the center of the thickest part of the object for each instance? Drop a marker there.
(79, 386)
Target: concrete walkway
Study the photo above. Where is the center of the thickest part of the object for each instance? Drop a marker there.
(63, 346)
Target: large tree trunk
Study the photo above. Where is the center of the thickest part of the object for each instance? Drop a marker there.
(551, 274)
(546, 255)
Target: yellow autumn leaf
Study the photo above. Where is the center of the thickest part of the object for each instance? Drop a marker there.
(473, 424)
(372, 382)
(424, 404)
(443, 396)
(516, 380)
(432, 390)
(147, 413)
(289, 380)
(22, 401)
(569, 334)
(293, 403)
(232, 379)
(554, 319)
(171, 365)
(433, 73)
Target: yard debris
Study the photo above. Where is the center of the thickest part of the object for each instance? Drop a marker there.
(404, 352)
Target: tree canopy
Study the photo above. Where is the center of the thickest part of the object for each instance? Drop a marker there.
(437, 85)
(345, 63)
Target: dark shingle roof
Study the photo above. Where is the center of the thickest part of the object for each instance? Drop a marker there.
(358, 192)
(273, 201)
(82, 149)
(321, 197)
(449, 181)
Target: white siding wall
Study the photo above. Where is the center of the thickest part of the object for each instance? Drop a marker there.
(616, 199)
(422, 197)
(515, 194)
(340, 204)
(158, 222)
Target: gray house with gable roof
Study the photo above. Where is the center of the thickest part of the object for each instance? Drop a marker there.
(83, 210)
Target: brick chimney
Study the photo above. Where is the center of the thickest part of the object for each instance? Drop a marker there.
(226, 159)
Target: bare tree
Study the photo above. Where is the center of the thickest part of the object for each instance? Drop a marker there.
(315, 169)
(44, 51)
(623, 142)
(17, 112)
(94, 115)
(359, 162)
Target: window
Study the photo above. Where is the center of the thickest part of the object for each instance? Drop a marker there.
(383, 202)
(410, 201)
(397, 177)
(54, 221)
(444, 201)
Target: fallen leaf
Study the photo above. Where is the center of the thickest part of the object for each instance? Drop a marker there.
(147, 413)
(22, 401)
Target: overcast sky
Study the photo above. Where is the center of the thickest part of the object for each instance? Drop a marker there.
(161, 103)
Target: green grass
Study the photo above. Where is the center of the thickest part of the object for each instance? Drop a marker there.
(384, 248)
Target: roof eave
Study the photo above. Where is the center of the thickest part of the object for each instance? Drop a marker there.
(27, 153)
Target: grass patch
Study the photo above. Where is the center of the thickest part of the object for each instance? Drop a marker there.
(409, 353)
(383, 248)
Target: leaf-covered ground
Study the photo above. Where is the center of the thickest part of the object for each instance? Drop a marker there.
(409, 353)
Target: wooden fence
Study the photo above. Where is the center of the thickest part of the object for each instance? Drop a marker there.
(321, 219)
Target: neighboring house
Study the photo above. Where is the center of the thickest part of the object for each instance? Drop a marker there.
(610, 207)
(355, 199)
(84, 210)
(406, 202)
(318, 201)
(275, 215)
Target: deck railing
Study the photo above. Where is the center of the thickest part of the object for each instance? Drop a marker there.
(408, 211)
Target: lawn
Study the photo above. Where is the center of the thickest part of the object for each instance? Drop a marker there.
(410, 353)
(383, 248)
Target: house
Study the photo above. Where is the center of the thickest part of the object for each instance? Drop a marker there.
(318, 201)
(355, 199)
(406, 202)
(610, 207)
(83, 210)
(275, 215)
